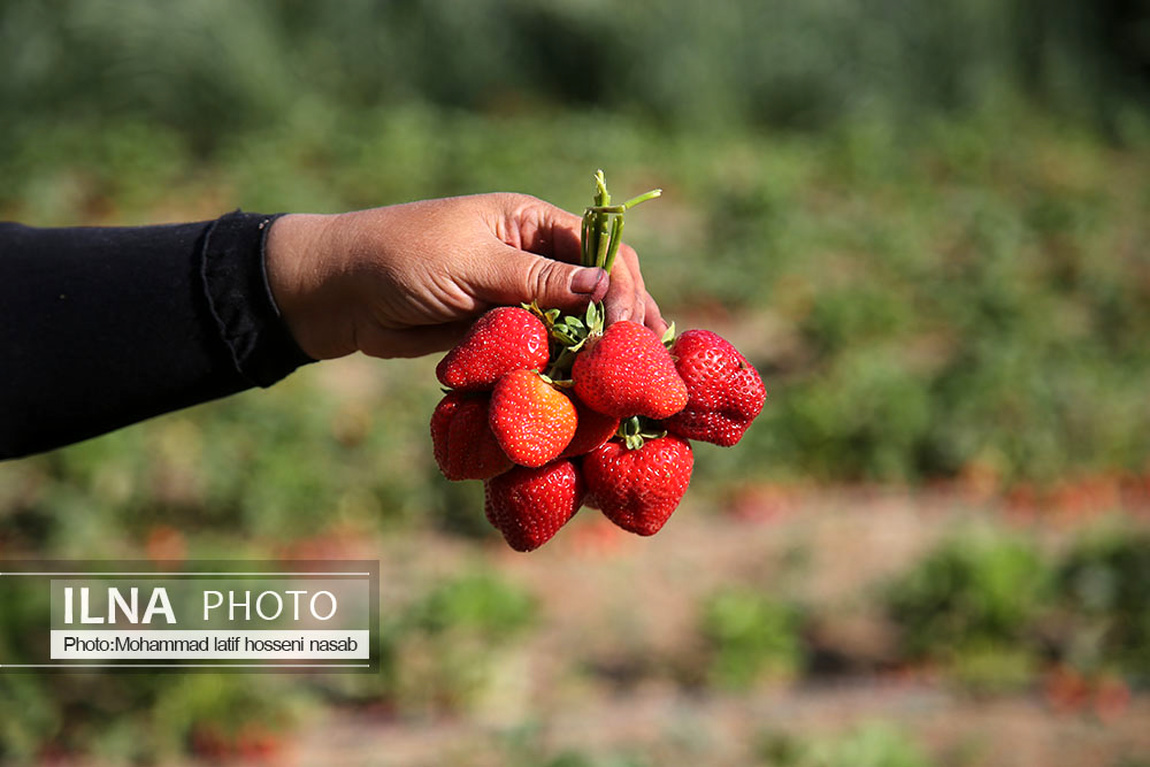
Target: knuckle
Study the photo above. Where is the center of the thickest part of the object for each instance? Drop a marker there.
(517, 202)
(540, 277)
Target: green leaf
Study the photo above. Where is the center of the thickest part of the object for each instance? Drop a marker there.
(563, 337)
(594, 318)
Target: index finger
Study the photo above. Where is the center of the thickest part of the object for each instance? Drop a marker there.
(542, 228)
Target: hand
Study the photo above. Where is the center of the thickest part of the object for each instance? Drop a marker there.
(407, 280)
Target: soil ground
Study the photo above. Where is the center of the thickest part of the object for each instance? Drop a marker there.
(600, 677)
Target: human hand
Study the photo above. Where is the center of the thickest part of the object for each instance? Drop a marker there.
(407, 280)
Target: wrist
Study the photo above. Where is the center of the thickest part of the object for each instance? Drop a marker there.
(301, 259)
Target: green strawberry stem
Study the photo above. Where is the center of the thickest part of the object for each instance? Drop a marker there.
(602, 228)
(613, 242)
(649, 195)
(560, 369)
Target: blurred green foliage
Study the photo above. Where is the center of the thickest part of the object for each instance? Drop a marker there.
(751, 635)
(971, 606)
(479, 603)
(444, 651)
(209, 69)
(142, 718)
(992, 609)
(1104, 603)
(525, 746)
(973, 590)
(873, 744)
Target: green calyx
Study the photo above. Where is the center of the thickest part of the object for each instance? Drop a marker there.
(572, 332)
(568, 334)
(637, 429)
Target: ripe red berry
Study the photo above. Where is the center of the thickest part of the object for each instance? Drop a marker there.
(504, 339)
(461, 436)
(529, 505)
(726, 392)
(591, 431)
(531, 420)
(639, 489)
(627, 371)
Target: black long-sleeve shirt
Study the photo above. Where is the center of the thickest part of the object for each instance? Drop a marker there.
(101, 327)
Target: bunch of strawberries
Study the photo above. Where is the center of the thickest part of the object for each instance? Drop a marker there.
(556, 412)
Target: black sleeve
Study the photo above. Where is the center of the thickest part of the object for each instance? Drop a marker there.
(103, 327)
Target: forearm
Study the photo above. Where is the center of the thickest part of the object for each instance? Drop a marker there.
(103, 327)
(100, 328)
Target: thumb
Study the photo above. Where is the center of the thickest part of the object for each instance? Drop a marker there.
(516, 276)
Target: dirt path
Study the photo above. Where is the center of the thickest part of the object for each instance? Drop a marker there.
(597, 677)
(662, 728)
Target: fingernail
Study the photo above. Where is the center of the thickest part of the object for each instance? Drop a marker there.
(589, 281)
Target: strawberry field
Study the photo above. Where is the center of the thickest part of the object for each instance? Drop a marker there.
(931, 549)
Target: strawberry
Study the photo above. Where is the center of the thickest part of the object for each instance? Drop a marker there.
(532, 420)
(529, 505)
(638, 489)
(461, 436)
(504, 339)
(726, 392)
(591, 431)
(627, 371)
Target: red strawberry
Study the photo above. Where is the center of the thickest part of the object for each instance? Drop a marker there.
(531, 419)
(592, 430)
(638, 489)
(461, 435)
(726, 392)
(529, 505)
(627, 371)
(504, 339)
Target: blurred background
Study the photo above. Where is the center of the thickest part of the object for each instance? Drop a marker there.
(927, 224)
